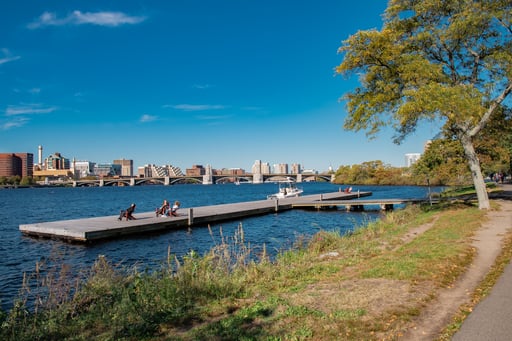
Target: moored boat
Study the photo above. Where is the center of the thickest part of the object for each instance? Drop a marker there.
(287, 189)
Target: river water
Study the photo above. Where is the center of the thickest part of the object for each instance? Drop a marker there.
(19, 254)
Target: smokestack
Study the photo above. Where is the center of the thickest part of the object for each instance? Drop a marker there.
(40, 149)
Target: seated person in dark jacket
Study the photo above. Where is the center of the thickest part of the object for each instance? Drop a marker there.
(128, 213)
(163, 210)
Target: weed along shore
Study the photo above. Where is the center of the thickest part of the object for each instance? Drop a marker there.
(374, 283)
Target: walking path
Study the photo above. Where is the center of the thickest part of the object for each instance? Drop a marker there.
(490, 319)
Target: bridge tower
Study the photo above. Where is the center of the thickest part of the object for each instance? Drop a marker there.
(257, 178)
(208, 177)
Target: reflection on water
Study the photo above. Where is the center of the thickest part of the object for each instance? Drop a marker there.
(19, 254)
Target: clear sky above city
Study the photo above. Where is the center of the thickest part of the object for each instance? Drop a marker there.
(203, 82)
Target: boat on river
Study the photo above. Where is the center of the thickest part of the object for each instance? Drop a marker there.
(287, 189)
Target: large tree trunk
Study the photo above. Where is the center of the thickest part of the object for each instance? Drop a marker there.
(476, 172)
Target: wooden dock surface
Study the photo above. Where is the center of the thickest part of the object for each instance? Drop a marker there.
(90, 229)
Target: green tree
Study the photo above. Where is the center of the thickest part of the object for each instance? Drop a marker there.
(14, 180)
(442, 163)
(27, 181)
(448, 61)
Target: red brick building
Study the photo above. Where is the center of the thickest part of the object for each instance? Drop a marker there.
(12, 164)
(196, 170)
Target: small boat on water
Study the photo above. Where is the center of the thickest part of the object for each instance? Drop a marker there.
(287, 189)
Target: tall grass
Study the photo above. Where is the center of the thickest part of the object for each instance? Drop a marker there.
(233, 293)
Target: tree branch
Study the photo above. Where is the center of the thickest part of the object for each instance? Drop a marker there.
(490, 111)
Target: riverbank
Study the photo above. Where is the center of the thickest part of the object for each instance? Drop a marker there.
(375, 283)
(277, 232)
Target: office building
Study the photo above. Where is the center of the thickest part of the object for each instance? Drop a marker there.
(56, 161)
(82, 169)
(16, 164)
(107, 169)
(196, 170)
(126, 167)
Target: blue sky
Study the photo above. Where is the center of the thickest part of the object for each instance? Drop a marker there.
(222, 82)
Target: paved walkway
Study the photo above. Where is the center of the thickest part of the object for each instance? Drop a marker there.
(491, 318)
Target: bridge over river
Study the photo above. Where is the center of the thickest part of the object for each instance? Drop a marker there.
(203, 179)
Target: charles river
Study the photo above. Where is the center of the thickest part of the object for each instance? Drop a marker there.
(19, 254)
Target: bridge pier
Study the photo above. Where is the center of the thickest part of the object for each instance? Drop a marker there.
(166, 181)
(102, 182)
(207, 179)
(132, 182)
(257, 178)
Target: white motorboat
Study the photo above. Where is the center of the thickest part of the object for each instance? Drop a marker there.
(287, 189)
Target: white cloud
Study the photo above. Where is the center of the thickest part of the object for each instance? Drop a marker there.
(196, 107)
(213, 117)
(111, 19)
(28, 109)
(148, 118)
(13, 123)
(202, 86)
(7, 57)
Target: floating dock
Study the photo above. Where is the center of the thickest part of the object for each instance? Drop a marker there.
(91, 229)
(358, 205)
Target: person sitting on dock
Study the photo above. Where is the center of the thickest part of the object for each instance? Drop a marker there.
(175, 208)
(128, 213)
(163, 210)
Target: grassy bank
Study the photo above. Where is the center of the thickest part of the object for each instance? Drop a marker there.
(366, 285)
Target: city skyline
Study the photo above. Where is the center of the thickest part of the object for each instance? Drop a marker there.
(40, 161)
(186, 83)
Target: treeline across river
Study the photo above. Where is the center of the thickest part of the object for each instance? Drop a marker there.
(421, 173)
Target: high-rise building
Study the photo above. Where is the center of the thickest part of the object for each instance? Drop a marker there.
(296, 168)
(281, 168)
(256, 167)
(265, 168)
(12, 164)
(260, 167)
(411, 158)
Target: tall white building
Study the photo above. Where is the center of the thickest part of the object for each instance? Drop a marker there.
(256, 167)
(83, 168)
(296, 168)
(260, 167)
(411, 158)
(281, 168)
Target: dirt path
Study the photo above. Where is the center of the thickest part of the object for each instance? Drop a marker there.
(487, 241)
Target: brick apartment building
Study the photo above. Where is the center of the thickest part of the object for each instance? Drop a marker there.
(12, 164)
